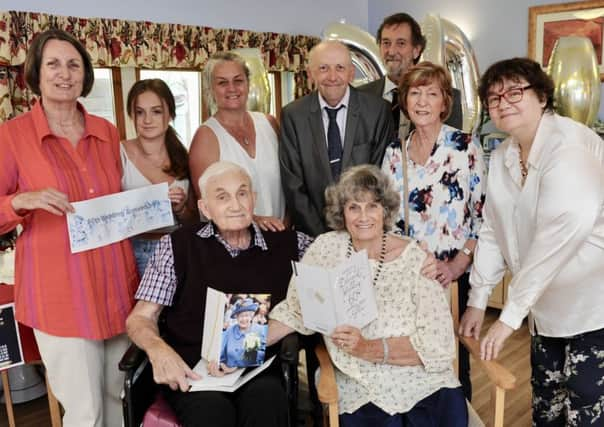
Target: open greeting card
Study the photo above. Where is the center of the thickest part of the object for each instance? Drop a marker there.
(336, 296)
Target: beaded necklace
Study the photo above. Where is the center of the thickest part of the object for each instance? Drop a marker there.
(380, 260)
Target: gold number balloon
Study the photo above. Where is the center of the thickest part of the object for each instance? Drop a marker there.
(574, 69)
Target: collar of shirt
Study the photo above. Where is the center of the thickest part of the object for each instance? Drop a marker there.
(546, 131)
(209, 230)
(511, 159)
(92, 127)
(389, 85)
(343, 101)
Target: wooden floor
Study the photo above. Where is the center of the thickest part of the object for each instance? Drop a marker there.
(515, 357)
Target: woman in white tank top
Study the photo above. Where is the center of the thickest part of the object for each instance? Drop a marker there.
(156, 155)
(246, 138)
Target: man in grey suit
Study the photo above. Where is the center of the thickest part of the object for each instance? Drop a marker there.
(401, 43)
(323, 133)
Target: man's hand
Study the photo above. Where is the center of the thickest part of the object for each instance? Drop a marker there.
(471, 322)
(219, 369)
(170, 369)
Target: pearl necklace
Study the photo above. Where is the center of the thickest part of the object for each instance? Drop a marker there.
(380, 260)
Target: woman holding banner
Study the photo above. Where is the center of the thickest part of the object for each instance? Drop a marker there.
(77, 304)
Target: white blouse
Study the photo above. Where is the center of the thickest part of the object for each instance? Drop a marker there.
(408, 305)
(263, 169)
(549, 232)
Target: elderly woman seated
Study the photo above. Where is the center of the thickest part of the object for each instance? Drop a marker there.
(230, 254)
(397, 370)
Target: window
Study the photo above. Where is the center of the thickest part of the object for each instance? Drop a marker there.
(100, 100)
(186, 88)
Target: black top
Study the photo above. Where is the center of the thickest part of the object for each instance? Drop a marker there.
(204, 262)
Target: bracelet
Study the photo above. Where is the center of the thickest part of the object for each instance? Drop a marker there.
(385, 348)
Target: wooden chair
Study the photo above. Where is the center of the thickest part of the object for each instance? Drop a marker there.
(53, 403)
(501, 379)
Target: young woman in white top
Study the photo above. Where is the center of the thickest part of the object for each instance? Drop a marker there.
(544, 221)
(156, 155)
(246, 138)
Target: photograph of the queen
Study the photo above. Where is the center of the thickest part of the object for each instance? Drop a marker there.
(244, 341)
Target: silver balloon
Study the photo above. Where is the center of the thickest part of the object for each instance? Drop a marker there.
(447, 45)
(259, 96)
(363, 49)
(574, 69)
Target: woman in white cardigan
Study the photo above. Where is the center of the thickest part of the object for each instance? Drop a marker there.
(543, 220)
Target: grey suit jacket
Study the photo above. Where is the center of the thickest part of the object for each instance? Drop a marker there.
(305, 170)
(376, 87)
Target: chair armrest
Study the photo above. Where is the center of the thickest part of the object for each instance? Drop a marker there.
(290, 347)
(327, 388)
(132, 358)
(498, 374)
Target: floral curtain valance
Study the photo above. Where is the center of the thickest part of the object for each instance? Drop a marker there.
(116, 43)
(120, 43)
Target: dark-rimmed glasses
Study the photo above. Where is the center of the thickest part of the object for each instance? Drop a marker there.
(512, 96)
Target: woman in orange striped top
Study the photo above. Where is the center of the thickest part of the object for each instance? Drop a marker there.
(76, 303)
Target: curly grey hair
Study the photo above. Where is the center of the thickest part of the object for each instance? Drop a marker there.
(353, 184)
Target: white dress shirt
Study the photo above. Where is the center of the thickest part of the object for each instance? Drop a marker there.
(340, 117)
(549, 232)
(389, 86)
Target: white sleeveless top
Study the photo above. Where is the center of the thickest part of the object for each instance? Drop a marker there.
(264, 169)
(132, 178)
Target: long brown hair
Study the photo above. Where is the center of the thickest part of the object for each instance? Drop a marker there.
(177, 153)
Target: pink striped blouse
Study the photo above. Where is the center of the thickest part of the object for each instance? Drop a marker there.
(85, 295)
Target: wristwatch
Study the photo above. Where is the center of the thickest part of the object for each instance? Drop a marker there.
(467, 251)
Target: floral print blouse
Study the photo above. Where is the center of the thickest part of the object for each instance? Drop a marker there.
(446, 194)
(408, 305)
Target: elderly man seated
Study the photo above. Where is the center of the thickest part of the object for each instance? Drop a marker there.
(231, 254)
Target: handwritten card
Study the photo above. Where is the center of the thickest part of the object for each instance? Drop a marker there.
(337, 296)
(108, 219)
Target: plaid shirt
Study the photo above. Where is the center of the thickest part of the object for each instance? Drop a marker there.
(158, 284)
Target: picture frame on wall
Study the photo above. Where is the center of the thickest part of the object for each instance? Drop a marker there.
(547, 23)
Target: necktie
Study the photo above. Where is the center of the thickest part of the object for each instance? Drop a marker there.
(334, 142)
(396, 111)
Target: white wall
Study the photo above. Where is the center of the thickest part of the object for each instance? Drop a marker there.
(283, 16)
(497, 29)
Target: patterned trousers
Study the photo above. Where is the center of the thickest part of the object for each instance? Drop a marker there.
(568, 380)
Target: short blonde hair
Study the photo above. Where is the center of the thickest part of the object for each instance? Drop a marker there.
(354, 183)
(423, 74)
(217, 169)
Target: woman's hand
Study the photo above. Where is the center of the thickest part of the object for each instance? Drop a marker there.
(269, 223)
(170, 369)
(492, 343)
(49, 199)
(178, 198)
(349, 339)
(219, 369)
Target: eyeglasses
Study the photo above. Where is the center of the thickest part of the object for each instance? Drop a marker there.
(512, 96)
